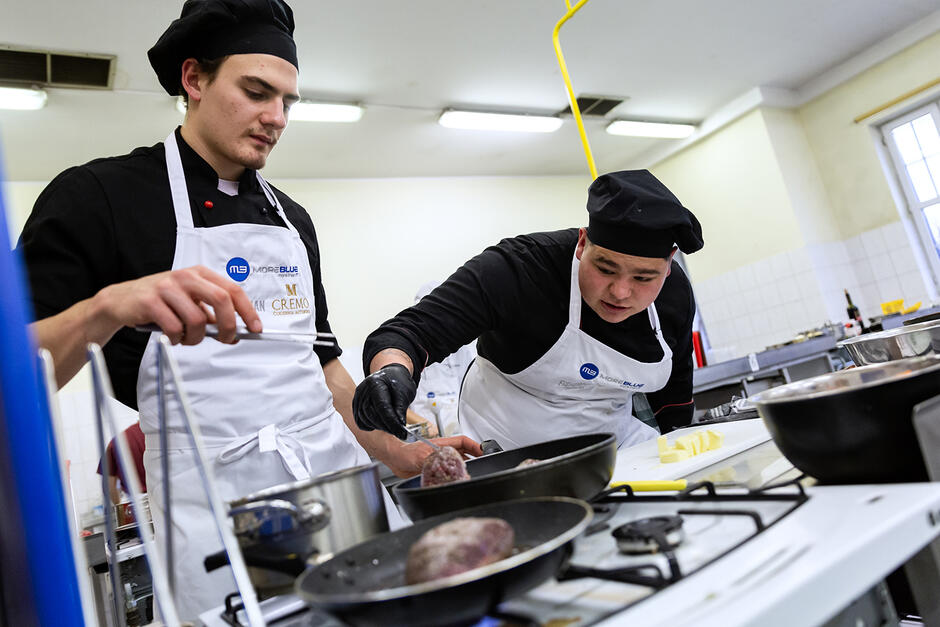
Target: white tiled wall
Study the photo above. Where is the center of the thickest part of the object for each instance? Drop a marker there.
(81, 448)
(771, 300)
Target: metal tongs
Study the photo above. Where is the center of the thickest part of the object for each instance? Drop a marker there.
(242, 333)
(414, 436)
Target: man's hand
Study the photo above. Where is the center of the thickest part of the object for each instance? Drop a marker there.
(406, 460)
(381, 400)
(181, 303)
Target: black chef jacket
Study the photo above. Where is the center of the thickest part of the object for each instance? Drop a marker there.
(514, 298)
(112, 220)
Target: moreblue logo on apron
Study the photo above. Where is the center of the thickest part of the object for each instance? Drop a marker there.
(237, 268)
(588, 371)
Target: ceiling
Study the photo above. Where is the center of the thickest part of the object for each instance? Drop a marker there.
(676, 60)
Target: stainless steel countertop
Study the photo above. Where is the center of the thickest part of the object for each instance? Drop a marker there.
(766, 361)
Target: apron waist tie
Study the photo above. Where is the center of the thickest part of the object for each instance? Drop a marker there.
(267, 439)
(271, 438)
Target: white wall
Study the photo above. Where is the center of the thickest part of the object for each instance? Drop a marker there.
(381, 239)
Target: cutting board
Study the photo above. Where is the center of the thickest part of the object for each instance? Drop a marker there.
(641, 461)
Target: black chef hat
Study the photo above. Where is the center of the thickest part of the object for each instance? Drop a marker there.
(210, 29)
(631, 212)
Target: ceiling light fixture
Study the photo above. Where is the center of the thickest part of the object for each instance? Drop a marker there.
(24, 99)
(664, 130)
(306, 111)
(476, 121)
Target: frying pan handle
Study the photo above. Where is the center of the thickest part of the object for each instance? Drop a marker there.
(490, 446)
(291, 564)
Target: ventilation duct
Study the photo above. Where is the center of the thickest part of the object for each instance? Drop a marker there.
(56, 69)
(594, 106)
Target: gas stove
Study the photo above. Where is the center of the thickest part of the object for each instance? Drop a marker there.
(778, 556)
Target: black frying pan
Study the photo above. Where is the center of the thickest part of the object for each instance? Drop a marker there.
(365, 585)
(579, 467)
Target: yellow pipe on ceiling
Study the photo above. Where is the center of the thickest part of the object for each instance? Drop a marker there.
(564, 74)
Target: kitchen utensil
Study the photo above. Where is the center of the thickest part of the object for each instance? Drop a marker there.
(853, 426)
(293, 520)
(578, 467)
(365, 585)
(241, 333)
(652, 486)
(490, 446)
(904, 341)
(414, 435)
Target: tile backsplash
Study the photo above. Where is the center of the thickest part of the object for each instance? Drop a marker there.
(771, 300)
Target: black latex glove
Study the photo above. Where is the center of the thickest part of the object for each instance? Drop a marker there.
(382, 398)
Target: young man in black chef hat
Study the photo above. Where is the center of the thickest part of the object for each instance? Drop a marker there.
(185, 233)
(571, 324)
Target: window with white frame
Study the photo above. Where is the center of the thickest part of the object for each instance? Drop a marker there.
(914, 143)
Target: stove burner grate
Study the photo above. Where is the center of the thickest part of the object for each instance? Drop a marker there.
(649, 535)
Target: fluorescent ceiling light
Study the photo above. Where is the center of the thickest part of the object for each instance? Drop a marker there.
(650, 129)
(304, 111)
(22, 98)
(476, 121)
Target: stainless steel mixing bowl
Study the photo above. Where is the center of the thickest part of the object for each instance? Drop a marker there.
(899, 343)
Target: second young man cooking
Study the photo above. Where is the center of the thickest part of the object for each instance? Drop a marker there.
(571, 324)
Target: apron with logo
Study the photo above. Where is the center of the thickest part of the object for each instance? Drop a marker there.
(579, 386)
(264, 409)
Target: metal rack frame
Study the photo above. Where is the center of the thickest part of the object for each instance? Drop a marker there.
(162, 571)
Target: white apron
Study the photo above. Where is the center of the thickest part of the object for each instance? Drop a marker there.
(579, 386)
(264, 409)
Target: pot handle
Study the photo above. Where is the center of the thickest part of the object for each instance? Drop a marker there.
(314, 514)
(260, 558)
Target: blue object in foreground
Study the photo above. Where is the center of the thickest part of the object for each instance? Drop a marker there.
(38, 581)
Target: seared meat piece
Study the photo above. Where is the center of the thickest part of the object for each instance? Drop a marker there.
(443, 466)
(457, 546)
(527, 462)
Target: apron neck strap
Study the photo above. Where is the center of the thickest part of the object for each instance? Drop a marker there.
(574, 298)
(269, 194)
(178, 190)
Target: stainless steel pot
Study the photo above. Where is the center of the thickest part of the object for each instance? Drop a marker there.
(309, 520)
(899, 343)
(853, 426)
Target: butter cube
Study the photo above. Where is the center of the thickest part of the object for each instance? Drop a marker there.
(673, 455)
(684, 442)
(715, 439)
(662, 444)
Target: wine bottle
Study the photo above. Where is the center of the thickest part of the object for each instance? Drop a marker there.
(853, 311)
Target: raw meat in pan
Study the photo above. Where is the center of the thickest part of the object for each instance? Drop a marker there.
(457, 546)
(443, 466)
